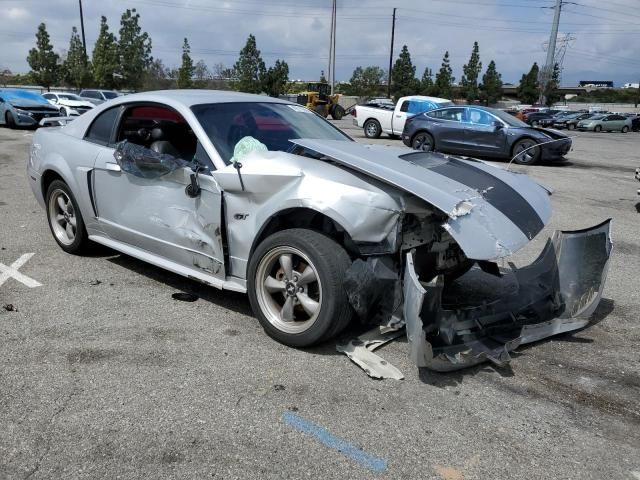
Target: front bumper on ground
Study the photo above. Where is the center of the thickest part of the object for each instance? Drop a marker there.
(557, 293)
(556, 149)
(31, 118)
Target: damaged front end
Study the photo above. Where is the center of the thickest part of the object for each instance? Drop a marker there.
(557, 293)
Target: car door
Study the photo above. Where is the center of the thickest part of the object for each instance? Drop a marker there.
(400, 117)
(448, 129)
(482, 136)
(156, 215)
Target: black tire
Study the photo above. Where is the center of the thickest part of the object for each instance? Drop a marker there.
(423, 141)
(321, 110)
(531, 156)
(372, 128)
(11, 122)
(625, 129)
(80, 241)
(328, 260)
(338, 112)
(63, 112)
(597, 128)
(571, 126)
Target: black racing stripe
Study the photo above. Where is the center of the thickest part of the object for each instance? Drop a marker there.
(499, 194)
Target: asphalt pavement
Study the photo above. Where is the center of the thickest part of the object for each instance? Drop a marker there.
(104, 375)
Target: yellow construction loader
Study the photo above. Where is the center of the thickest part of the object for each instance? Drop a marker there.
(318, 99)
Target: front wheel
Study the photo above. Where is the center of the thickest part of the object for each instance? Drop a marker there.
(526, 152)
(296, 287)
(597, 128)
(11, 122)
(63, 112)
(423, 141)
(337, 112)
(571, 126)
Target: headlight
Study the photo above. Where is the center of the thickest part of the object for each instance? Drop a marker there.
(23, 112)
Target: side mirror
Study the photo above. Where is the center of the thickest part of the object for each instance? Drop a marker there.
(145, 163)
(498, 125)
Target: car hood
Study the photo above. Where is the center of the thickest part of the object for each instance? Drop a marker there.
(28, 103)
(491, 212)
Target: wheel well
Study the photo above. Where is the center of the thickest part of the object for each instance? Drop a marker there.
(372, 119)
(48, 177)
(305, 218)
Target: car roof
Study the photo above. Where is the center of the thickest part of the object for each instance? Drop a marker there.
(189, 97)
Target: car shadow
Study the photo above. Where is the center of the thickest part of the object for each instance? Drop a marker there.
(234, 301)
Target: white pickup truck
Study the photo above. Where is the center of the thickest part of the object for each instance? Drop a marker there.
(376, 120)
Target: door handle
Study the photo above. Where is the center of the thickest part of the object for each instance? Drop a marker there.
(398, 116)
(113, 167)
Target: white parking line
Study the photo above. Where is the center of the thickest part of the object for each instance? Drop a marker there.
(12, 272)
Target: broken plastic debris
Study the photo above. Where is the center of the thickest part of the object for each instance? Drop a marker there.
(360, 351)
(10, 307)
(185, 297)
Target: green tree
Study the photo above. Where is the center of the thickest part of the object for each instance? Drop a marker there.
(157, 77)
(134, 50)
(276, 78)
(551, 88)
(426, 84)
(105, 57)
(444, 79)
(186, 70)
(491, 86)
(249, 69)
(43, 60)
(366, 82)
(471, 71)
(76, 68)
(529, 86)
(403, 75)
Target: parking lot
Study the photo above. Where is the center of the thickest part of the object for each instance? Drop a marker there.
(104, 375)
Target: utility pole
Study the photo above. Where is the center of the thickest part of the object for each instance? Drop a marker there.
(333, 65)
(551, 52)
(393, 32)
(84, 42)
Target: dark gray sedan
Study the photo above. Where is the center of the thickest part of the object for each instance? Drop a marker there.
(483, 132)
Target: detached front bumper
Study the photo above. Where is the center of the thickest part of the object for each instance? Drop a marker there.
(556, 149)
(557, 293)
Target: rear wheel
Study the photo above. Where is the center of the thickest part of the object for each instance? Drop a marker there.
(571, 126)
(423, 141)
(11, 122)
(625, 129)
(372, 129)
(597, 128)
(525, 152)
(296, 287)
(65, 219)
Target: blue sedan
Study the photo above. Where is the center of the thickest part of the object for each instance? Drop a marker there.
(23, 108)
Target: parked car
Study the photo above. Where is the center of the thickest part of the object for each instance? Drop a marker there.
(255, 194)
(571, 121)
(635, 123)
(375, 120)
(24, 108)
(98, 96)
(70, 104)
(608, 123)
(535, 118)
(483, 131)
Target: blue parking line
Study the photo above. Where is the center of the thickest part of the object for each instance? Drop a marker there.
(325, 437)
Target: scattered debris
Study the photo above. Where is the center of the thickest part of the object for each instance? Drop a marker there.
(185, 296)
(10, 307)
(279, 388)
(95, 282)
(360, 351)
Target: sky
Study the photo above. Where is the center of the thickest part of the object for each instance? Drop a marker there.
(605, 35)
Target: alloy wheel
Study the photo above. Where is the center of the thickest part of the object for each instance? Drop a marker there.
(524, 153)
(62, 217)
(288, 289)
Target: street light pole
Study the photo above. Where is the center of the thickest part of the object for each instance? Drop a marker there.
(393, 31)
(84, 42)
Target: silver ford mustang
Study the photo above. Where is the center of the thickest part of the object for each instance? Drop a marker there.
(258, 195)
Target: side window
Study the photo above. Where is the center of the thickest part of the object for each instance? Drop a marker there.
(49, 96)
(418, 106)
(90, 94)
(478, 117)
(405, 106)
(450, 114)
(101, 128)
